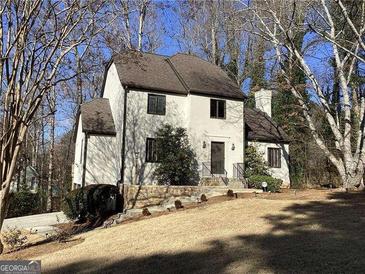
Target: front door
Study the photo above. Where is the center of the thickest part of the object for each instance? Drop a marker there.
(217, 157)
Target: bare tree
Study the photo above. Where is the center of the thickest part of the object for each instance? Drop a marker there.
(34, 41)
(275, 22)
(215, 31)
(134, 24)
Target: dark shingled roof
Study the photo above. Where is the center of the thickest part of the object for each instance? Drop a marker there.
(260, 127)
(97, 117)
(147, 71)
(203, 77)
(181, 73)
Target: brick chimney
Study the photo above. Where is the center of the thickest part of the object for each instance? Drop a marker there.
(263, 100)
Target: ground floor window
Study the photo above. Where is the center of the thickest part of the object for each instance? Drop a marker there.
(151, 150)
(274, 157)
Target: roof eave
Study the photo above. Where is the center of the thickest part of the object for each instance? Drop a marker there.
(100, 133)
(203, 93)
(267, 140)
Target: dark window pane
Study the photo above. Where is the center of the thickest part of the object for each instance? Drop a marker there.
(151, 150)
(221, 109)
(213, 108)
(156, 104)
(161, 103)
(274, 157)
(217, 108)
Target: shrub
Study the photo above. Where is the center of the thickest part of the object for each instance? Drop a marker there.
(177, 160)
(254, 163)
(14, 238)
(23, 203)
(92, 202)
(71, 204)
(63, 234)
(273, 184)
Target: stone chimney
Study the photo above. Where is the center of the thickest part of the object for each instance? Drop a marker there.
(263, 100)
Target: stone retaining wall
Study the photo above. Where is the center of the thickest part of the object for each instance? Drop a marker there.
(149, 195)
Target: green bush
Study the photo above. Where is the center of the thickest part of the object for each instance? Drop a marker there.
(92, 202)
(254, 163)
(177, 163)
(23, 203)
(72, 204)
(273, 184)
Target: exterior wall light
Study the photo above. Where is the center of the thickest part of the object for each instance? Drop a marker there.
(233, 147)
(204, 144)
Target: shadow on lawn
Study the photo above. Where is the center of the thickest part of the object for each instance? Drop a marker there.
(319, 236)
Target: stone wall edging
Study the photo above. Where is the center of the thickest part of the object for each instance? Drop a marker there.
(136, 196)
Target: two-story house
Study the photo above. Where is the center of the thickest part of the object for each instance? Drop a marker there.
(115, 139)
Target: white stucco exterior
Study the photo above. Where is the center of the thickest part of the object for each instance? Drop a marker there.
(202, 128)
(279, 173)
(189, 111)
(104, 160)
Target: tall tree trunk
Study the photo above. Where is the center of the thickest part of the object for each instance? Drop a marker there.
(51, 150)
(42, 161)
(142, 15)
(125, 7)
(213, 32)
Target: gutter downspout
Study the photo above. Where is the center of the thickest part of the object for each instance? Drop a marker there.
(84, 163)
(126, 91)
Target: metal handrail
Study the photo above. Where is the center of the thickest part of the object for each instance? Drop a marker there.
(238, 171)
(205, 167)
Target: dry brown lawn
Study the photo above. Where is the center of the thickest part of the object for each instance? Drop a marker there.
(310, 232)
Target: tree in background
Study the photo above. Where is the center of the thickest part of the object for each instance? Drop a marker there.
(39, 37)
(277, 24)
(177, 164)
(215, 31)
(135, 24)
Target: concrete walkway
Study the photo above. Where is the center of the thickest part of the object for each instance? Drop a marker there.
(40, 223)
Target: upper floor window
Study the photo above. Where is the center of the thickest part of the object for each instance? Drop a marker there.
(217, 109)
(156, 104)
(151, 150)
(274, 157)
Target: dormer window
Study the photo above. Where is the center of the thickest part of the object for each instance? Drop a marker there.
(156, 104)
(217, 109)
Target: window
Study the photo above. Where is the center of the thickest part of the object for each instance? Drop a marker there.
(156, 104)
(217, 109)
(151, 150)
(274, 157)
